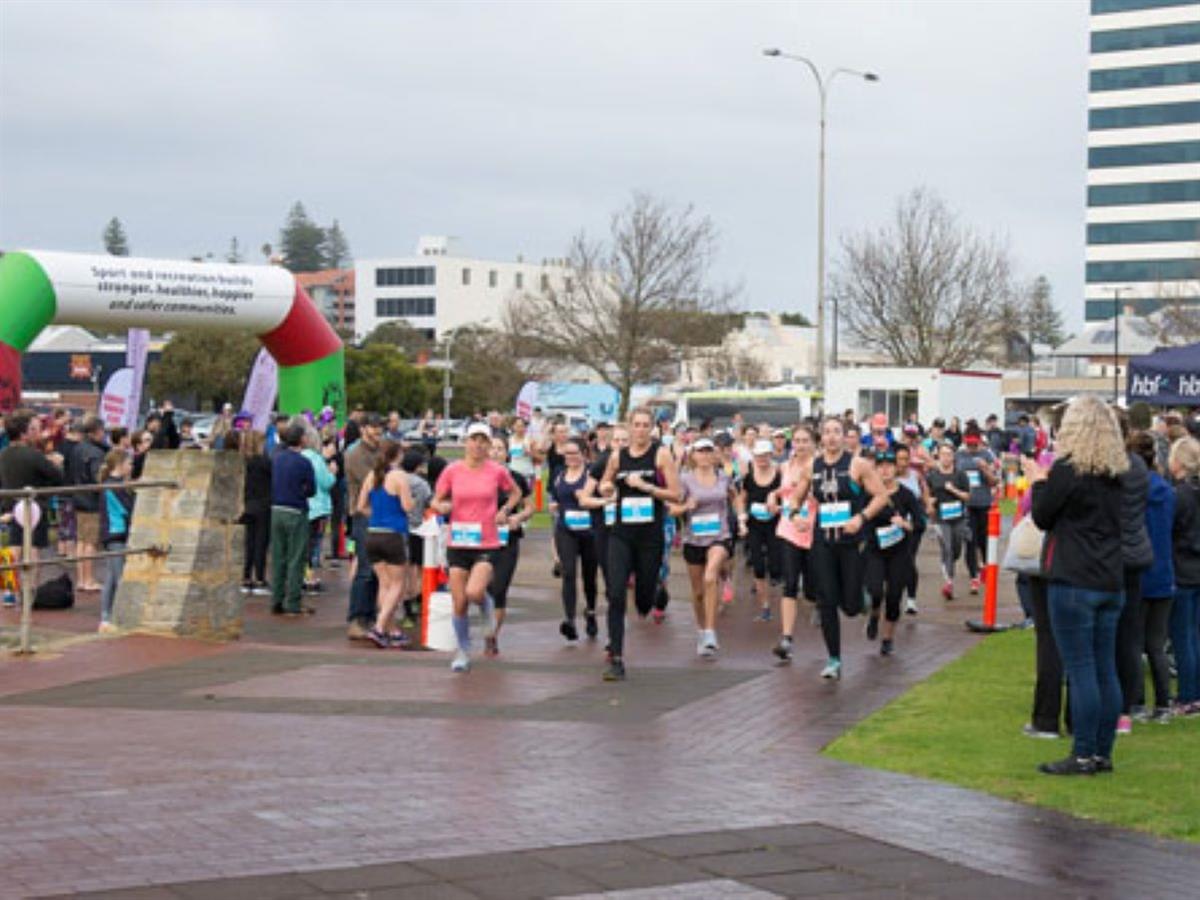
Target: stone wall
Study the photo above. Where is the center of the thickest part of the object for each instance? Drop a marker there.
(194, 591)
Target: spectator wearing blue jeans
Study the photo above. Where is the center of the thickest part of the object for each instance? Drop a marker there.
(1077, 503)
(1184, 465)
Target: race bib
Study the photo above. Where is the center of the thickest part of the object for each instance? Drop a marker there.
(502, 530)
(637, 510)
(708, 525)
(834, 515)
(974, 478)
(466, 534)
(577, 519)
(610, 514)
(951, 511)
(889, 536)
(517, 452)
(760, 512)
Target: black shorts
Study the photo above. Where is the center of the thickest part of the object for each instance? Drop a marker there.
(695, 555)
(389, 547)
(467, 557)
(416, 549)
(41, 532)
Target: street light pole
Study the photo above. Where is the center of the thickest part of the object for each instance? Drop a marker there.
(447, 391)
(1116, 345)
(823, 84)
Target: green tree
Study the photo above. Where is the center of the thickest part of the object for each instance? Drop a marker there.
(115, 241)
(234, 253)
(399, 333)
(301, 241)
(335, 248)
(379, 378)
(1045, 320)
(795, 319)
(487, 369)
(204, 363)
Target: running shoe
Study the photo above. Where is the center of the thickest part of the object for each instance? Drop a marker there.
(1161, 715)
(398, 640)
(710, 641)
(886, 648)
(1029, 730)
(702, 648)
(247, 587)
(260, 589)
(974, 585)
(10, 600)
(615, 671)
(659, 616)
(1104, 764)
(461, 662)
(379, 639)
(590, 626)
(948, 590)
(832, 670)
(1124, 725)
(910, 606)
(108, 628)
(783, 650)
(568, 631)
(764, 615)
(872, 627)
(1072, 765)
(556, 569)
(1140, 714)
(491, 645)
(727, 591)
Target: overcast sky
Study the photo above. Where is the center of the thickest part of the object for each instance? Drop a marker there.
(514, 125)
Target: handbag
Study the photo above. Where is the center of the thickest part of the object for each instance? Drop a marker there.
(1024, 552)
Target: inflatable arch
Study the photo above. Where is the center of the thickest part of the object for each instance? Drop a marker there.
(40, 288)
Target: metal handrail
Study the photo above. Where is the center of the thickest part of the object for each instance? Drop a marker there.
(29, 565)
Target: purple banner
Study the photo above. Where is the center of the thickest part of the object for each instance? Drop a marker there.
(261, 389)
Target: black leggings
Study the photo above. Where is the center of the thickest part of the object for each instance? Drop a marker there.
(1156, 612)
(576, 549)
(600, 538)
(764, 550)
(795, 570)
(914, 544)
(637, 550)
(977, 547)
(887, 577)
(504, 566)
(1131, 641)
(837, 571)
(258, 536)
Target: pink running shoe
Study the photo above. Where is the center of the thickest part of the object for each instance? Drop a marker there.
(948, 590)
(1124, 725)
(727, 592)
(659, 616)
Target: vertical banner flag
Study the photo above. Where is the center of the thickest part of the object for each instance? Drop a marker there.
(527, 399)
(137, 350)
(115, 401)
(261, 389)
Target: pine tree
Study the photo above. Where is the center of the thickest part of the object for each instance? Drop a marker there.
(234, 254)
(1045, 321)
(335, 247)
(115, 241)
(300, 242)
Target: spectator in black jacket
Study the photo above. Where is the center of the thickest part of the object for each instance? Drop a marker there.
(66, 505)
(1077, 503)
(162, 426)
(22, 465)
(1184, 464)
(256, 508)
(89, 460)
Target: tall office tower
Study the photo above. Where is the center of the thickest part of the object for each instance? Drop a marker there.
(1143, 194)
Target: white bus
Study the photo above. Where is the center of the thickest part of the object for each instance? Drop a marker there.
(780, 407)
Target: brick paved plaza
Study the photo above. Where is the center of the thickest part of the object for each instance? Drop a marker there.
(295, 764)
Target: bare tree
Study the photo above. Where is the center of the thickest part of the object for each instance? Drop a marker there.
(630, 308)
(735, 366)
(1179, 313)
(924, 290)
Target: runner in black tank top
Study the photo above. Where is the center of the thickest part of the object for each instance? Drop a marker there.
(842, 485)
(642, 477)
(761, 541)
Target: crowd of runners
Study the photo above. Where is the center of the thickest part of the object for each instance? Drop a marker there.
(827, 515)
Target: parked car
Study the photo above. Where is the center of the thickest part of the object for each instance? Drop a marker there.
(452, 430)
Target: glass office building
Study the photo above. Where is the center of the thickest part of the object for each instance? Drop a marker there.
(1143, 188)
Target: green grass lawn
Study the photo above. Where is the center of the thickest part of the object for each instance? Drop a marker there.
(963, 725)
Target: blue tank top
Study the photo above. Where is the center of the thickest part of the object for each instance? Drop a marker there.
(386, 512)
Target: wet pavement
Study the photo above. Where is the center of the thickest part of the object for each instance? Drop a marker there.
(294, 763)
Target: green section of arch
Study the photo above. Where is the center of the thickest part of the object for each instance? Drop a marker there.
(314, 385)
(27, 300)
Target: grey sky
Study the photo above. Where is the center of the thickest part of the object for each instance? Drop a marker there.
(513, 125)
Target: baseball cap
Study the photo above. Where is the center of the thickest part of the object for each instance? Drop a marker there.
(779, 432)
(703, 444)
(479, 428)
(762, 448)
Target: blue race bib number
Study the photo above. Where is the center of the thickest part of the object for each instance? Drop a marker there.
(760, 512)
(889, 536)
(708, 525)
(503, 532)
(951, 511)
(466, 534)
(834, 515)
(610, 514)
(974, 478)
(577, 519)
(637, 510)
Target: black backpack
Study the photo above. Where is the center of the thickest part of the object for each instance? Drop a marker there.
(57, 593)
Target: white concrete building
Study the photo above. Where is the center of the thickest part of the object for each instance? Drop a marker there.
(1143, 195)
(439, 288)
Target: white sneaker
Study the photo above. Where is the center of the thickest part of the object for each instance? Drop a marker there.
(461, 662)
(910, 606)
(832, 670)
(702, 644)
(711, 641)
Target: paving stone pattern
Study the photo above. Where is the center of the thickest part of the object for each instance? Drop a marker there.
(294, 763)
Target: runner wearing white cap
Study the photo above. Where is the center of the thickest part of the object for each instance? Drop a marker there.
(761, 542)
